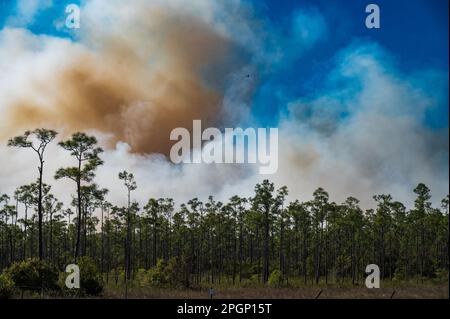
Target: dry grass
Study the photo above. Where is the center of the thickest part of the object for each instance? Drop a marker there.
(440, 292)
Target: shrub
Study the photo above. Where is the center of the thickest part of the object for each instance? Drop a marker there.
(177, 272)
(441, 276)
(275, 278)
(399, 275)
(247, 271)
(91, 282)
(33, 275)
(158, 276)
(6, 287)
(252, 282)
(171, 273)
(141, 277)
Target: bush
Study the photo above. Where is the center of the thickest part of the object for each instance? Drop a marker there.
(91, 282)
(33, 275)
(141, 277)
(172, 273)
(399, 275)
(6, 287)
(158, 276)
(441, 276)
(252, 282)
(275, 278)
(177, 272)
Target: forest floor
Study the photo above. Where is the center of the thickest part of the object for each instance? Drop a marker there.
(439, 292)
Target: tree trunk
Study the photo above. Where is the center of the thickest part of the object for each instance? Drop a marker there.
(77, 243)
(41, 246)
(266, 269)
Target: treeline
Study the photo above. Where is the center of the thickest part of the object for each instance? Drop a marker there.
(262, 238)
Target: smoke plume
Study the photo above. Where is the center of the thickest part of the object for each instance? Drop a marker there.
(153, 68)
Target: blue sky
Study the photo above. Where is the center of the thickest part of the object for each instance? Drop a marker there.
(414, 33)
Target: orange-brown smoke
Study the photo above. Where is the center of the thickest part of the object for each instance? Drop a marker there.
(134, 87)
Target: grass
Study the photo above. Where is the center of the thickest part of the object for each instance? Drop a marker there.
(440, 292)
(252, 289)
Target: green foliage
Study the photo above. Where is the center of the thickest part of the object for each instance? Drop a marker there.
(6, 287)
(159, 276)
(441, 276)
(251, 282)
(91, 282)
(33, 275)
(399, 275)
(173, 272)
(169, 274)
(275, 279)
(43, 136)
(141, 277)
